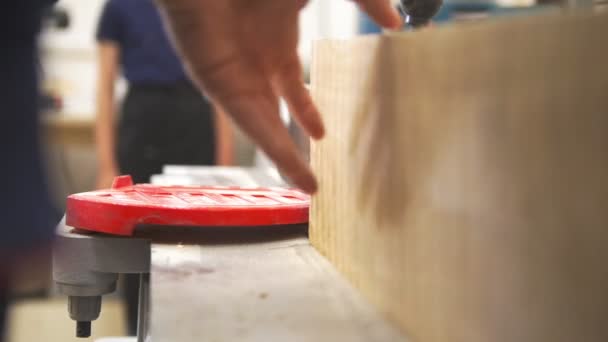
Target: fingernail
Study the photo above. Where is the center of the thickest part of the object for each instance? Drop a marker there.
(309, 185)
(319, 134)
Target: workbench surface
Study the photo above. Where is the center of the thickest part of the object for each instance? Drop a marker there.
(251, 284)
(247, 288)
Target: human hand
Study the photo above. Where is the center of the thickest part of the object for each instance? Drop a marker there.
(243, 54)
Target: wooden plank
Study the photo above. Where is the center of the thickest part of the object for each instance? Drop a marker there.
(463, 179)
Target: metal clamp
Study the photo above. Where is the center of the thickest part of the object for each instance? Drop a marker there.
(86, 267)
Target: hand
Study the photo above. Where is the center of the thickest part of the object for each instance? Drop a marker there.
(106, 176)
(242, 53)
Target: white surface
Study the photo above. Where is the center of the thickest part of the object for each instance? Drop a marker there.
(117, 339)
(325, 19)
(247, 289)
(69, 57)
(218, 175)
(280, 290)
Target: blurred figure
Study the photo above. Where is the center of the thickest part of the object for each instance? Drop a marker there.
(27, 223)
(164, 118)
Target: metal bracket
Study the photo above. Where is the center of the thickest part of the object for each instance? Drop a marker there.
(86, 267)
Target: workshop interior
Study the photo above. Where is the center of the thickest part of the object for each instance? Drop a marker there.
(463, 182)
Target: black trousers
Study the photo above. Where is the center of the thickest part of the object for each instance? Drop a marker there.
(160, 125)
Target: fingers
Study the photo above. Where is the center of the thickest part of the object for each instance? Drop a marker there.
(382, 12)
(290, 85)
(257, 113)
(246, 95)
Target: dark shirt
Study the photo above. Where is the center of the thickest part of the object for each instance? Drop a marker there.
(146, 54)
(24, 203)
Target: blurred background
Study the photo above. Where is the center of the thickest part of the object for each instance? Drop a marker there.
(69, 79)
(69, 71)
(69, 65)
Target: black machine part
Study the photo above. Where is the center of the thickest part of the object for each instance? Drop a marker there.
(418, 13)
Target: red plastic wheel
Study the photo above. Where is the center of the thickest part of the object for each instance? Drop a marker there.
(120, 209)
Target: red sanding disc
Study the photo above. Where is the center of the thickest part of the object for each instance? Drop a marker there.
(120, 209)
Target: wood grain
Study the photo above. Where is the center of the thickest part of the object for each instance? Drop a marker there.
(463, 177)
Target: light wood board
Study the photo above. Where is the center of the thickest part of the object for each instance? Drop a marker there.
(463, 179)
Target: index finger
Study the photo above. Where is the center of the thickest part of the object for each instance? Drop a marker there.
(257, 114)
(382, 12)
(260, 120)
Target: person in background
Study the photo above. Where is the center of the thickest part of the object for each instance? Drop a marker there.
(236, 50)
(164, 118)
